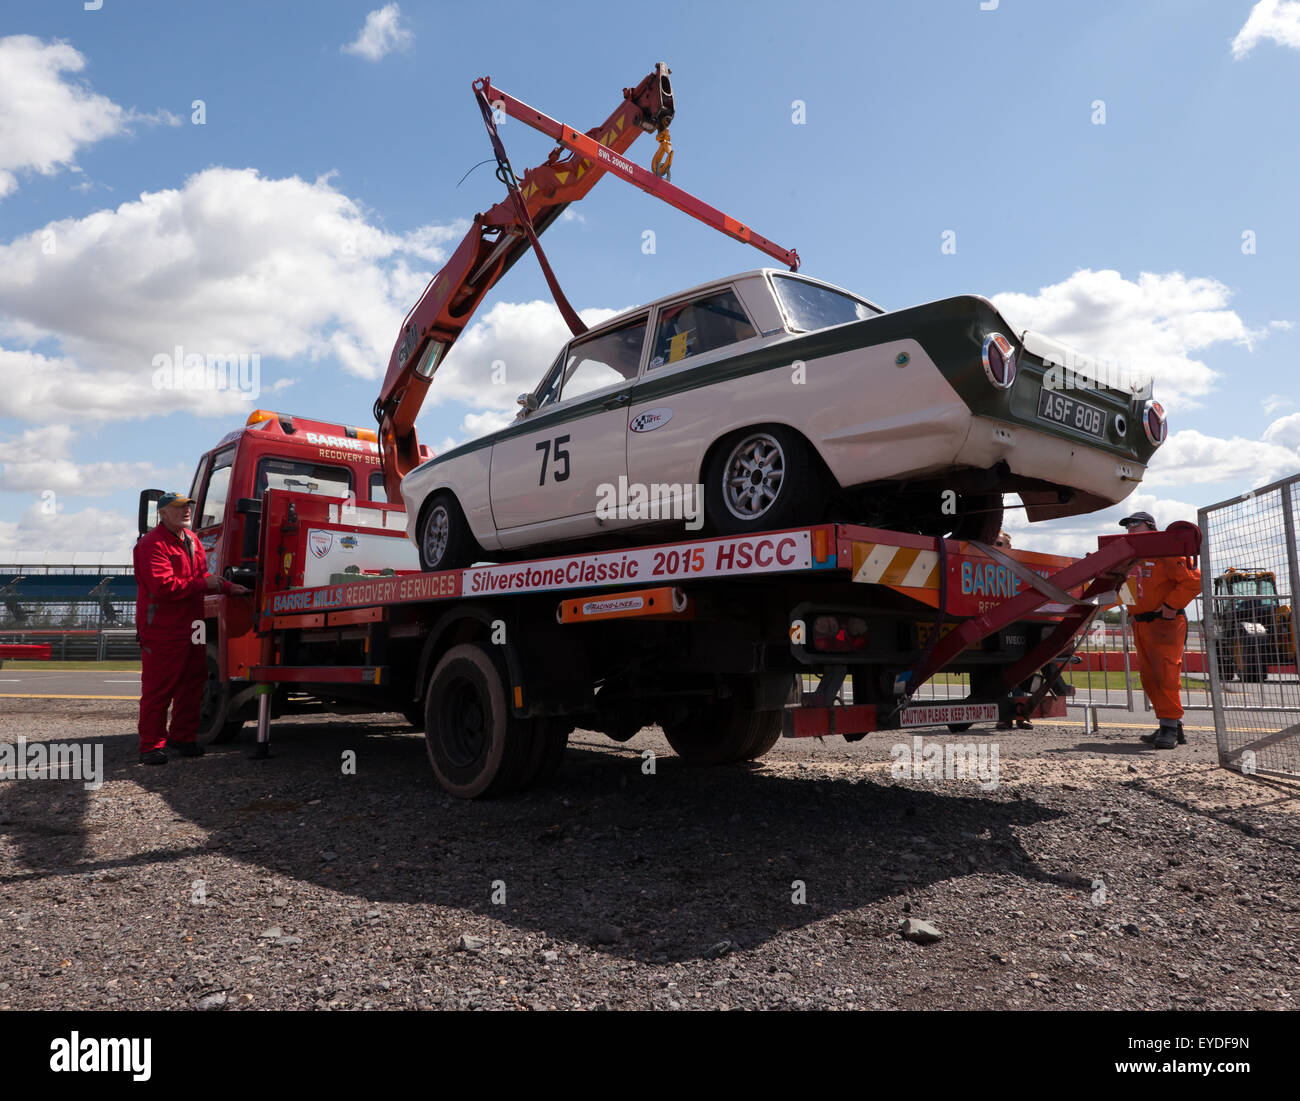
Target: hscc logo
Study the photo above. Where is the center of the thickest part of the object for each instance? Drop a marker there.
(320, 542)
(650, 420)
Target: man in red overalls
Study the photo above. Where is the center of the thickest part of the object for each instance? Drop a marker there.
(171, 576)
(1162, 588)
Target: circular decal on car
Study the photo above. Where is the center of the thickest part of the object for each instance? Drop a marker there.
(650, 420)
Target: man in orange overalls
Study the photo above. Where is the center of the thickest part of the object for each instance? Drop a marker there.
(1162, 588)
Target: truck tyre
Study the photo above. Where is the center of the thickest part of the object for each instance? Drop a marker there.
(215, 725)
(475, 745)
(723, 732)
(550, 738)
(762, 478)
(445, 542)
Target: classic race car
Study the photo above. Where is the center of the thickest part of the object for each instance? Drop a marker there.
(789, 401)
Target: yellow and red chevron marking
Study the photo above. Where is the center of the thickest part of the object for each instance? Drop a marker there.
(885, 564)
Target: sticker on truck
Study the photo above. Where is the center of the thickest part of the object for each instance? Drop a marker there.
(943, 713)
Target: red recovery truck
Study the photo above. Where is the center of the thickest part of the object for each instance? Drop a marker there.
(706, 637)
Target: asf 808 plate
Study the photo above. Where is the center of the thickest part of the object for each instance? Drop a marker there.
(1055, 407)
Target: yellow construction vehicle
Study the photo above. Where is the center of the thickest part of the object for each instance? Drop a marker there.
(1255, 626)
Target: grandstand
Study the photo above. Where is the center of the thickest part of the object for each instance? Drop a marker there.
(83, 612)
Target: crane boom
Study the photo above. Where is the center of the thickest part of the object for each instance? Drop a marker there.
(499, 237)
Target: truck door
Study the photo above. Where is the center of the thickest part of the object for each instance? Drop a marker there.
(546, 478)
(210, 507)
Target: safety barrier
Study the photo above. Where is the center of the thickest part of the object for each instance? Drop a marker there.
(1250, 576)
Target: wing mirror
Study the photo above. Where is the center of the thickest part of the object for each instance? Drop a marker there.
(529, 403)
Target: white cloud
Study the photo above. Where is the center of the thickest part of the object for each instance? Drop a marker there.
(1151, 326)
(44, 117)
(1272, 20)
(51, 390)
(230, 263)
(1076, 536)
(1191, 457)
(1286, 433)
(92, 535)
(1274, 402)
(382, 33)
(523, 338)
(38, 462)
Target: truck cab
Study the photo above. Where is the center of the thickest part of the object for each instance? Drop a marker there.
(277, 451)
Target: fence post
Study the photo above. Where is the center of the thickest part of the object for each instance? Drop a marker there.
(1128, 669)
(1210, 620)
(1293, 570)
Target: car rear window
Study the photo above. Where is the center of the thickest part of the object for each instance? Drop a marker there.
(809, 307)
(700, 325)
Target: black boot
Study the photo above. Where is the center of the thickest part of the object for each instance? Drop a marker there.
(1167, 736)
(1150, 739)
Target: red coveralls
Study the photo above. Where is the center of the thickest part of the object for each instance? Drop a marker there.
(1159, 641)
(170, 577)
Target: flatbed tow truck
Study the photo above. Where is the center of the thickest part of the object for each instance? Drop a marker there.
(707, 637)
(704, 637)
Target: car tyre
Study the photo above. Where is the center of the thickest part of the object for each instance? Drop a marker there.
(444, 539)
(762, 478)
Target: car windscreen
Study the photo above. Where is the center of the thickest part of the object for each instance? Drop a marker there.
(809, 307)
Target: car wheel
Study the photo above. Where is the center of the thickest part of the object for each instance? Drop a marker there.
(445, 542)
(762, 478)
(980, 518)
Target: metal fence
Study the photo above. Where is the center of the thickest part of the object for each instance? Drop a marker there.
(1250, 576)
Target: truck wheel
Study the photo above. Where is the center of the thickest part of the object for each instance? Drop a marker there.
(445, 542)
(550, 739)
(476, 746)
(762, 478)
(215, 727)
(723, 732)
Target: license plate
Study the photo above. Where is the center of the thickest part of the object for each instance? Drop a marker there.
(1059, 409)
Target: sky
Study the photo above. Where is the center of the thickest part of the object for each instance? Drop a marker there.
(282, 180)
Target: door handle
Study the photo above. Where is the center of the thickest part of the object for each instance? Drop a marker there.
(618, 401)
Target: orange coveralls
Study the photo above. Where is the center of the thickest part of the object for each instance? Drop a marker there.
(1160, 642)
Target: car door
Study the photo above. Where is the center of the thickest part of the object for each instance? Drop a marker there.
(551, 470)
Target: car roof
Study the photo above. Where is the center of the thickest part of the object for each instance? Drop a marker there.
(699, 288)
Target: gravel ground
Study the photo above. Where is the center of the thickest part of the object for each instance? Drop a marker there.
(1096, 875)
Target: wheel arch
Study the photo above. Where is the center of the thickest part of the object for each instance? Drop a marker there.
(471, 623)
(831, 482)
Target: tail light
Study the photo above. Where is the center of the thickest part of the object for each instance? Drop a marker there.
(999, 360)
(1154, 422)
(836, 634)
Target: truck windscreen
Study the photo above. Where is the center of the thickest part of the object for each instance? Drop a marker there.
(321, 481)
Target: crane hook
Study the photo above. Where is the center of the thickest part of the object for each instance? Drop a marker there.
(663, 158)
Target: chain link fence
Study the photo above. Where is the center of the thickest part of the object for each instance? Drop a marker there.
(1250, 576)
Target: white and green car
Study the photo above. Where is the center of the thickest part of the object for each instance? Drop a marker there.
(789, 401)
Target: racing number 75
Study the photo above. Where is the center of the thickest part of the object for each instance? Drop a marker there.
(554, 457)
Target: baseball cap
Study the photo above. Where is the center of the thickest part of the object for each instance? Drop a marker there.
(1138, 518)
(173, 499)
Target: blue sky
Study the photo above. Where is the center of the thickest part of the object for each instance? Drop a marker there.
(304, 215)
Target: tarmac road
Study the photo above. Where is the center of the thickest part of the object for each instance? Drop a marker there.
(81, 684)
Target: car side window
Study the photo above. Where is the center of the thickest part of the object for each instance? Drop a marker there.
(699, 325)
(606, 359)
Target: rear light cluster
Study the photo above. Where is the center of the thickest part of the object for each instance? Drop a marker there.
(1154, 422)
(837, 634)
(999, 361)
